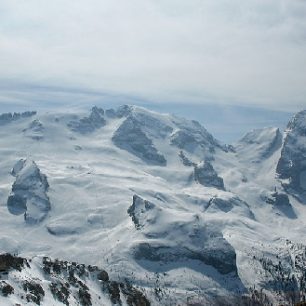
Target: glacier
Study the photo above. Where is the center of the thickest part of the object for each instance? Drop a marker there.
(171, 213)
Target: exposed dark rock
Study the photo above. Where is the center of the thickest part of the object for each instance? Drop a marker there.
(111, 113)
(130, 137)
(137, 211)
(153, 126)
(229, 204)
(36, 292)
(281, 201)
(6, 289)
(84, 297)
(218, 253)
(134, 297)
(103, 276)
(205, 174)
(60, 292)
(18, 167)
(92, 268)
(17, 204)
(8, 262)
(66, 280)
(185, 160)
(230, 148)
(89, 124)
(193, 137)
(292, 163)
(114, 291)
(123, 111)
(9, 117)
(29, 192)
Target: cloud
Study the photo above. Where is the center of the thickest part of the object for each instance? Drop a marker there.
(227, 51)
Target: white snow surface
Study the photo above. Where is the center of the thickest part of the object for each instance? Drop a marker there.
(91, 187)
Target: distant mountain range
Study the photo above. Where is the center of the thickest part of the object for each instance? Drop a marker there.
(129, 206)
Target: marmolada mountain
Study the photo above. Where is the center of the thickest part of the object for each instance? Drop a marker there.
(132, 207)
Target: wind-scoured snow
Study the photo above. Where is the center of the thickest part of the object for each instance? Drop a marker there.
(154, 199)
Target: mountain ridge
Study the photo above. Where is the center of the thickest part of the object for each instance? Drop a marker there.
(156, 198)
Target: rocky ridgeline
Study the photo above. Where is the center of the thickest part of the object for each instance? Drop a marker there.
(228, 204)
(285, 274)
(89, 124)
(34, 281)
(292, 163)
(140, 128)
(29, 192)
(9, 117)
(185, 160)
(260, 144)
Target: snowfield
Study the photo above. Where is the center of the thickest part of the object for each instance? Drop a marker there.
(157, 201)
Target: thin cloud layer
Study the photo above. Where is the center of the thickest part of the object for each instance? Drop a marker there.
(228, 51)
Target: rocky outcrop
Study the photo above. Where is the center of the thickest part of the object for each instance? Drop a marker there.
(292, 163)
(205, 174)
(35, 130)
(123, 111)
(9, 262)
(130, 137)
(29, 192)
(140, 211)
(152, 124)
(6, 289)
(69, 283)
(228, 204)
(111, 113)
(9, 117)
(89, 124)
(34, 291)
(216, 252)
(185, 160)
(280, 201)
(180, 241)
(192, 137)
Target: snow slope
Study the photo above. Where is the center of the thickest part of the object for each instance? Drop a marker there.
(156, 200)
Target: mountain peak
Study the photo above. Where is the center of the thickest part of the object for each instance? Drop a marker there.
(291, 165)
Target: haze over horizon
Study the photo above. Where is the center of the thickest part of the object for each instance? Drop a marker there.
(196, 52)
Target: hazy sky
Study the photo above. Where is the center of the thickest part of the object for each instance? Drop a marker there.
(243, 52)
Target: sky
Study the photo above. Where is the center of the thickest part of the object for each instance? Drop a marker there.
(225, 52)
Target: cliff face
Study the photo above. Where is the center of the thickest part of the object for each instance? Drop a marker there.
(292, 164)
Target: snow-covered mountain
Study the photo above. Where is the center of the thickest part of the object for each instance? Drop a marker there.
(174, 216)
